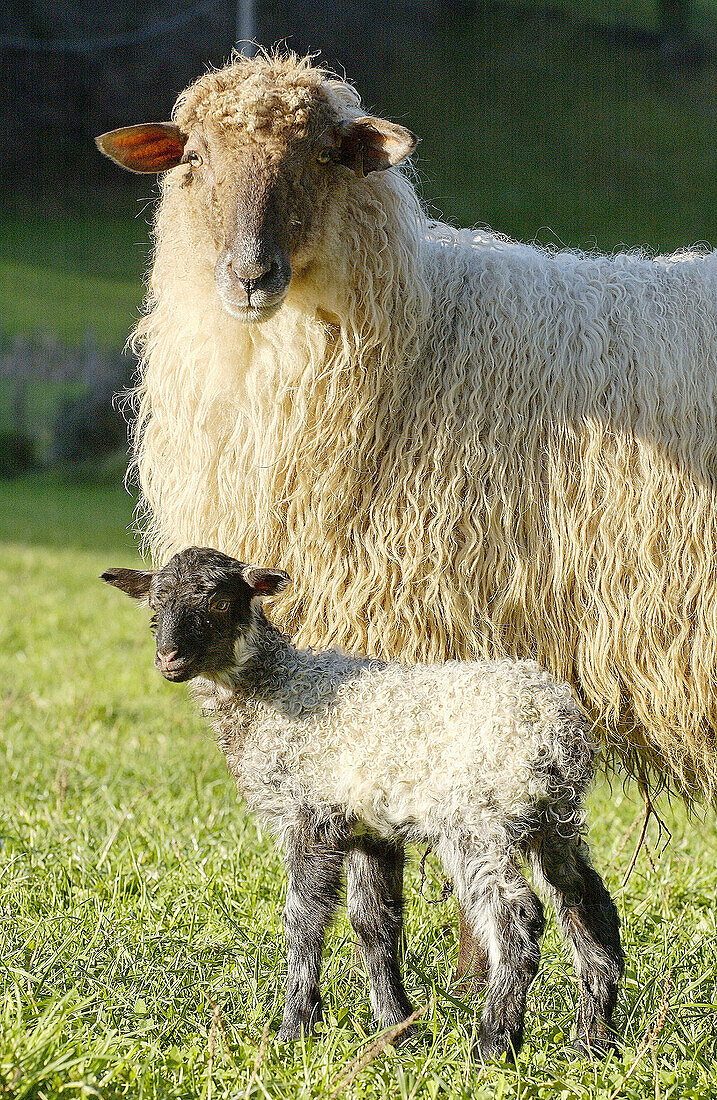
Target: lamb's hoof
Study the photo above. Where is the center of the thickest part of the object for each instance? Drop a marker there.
(405, 1036)
(586, 1049)
(395, 1020)
(292, 1030)
(289, 1033)
(490, 1048)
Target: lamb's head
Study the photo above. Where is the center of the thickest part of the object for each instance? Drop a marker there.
(205, 609)
(260, 149)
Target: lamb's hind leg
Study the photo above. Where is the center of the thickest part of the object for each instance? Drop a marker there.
(506, 919)
(472, 965)
(588, 919)
(374, 897)
(314, 864)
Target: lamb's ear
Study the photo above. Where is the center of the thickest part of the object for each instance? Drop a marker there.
(135, 582)
(372, 144)
(149, 147)
(265, 582)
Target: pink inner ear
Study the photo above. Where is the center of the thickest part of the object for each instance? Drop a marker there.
(371, 144)
(149, 147)
(265, 585)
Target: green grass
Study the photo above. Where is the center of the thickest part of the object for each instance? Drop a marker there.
(632, 13)
(72, 274)
(138, 900)
(68, 304)
(561, 137)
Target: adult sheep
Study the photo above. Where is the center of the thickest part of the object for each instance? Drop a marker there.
(458, 445)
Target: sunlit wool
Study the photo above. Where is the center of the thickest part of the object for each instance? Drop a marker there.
(457, 445)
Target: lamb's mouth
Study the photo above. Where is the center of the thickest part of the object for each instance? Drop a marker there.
(184, 668)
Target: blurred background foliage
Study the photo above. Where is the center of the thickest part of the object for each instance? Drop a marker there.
(578, 123)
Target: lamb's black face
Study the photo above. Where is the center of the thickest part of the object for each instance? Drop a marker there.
(202, 608)
(201, 605)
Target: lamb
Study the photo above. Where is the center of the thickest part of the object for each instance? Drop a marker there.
(459, 445)
(347, 758)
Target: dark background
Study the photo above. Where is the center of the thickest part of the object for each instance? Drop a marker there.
(583, 123)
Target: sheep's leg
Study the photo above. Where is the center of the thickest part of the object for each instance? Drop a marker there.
(506, 918)
(312, 894)
(472, 965)
(588, 919)
(374, 896)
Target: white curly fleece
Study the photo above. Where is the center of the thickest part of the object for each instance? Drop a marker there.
(473, 748)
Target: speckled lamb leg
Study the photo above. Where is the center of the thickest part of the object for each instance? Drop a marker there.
(506, 918)
(374, 896)
(589, 921)
(472, 966)
(314, 867)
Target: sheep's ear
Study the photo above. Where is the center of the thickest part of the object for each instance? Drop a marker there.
(149, 147)
(371, 144)
(135, 582)
(265, 582)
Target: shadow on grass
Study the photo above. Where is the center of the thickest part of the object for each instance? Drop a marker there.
(45, 511)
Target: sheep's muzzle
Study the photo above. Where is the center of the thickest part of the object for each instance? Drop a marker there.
(252, 287)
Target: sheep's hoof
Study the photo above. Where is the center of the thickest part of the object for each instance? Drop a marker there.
(468, 985)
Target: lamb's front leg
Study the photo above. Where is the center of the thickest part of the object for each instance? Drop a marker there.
(313, 865)
(374, 895)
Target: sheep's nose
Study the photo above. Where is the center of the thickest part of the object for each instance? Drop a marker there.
(165, 659)
(254, 276)
(251, 273)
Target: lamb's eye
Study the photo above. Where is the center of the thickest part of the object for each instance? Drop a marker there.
(220, 605)
(324, 156)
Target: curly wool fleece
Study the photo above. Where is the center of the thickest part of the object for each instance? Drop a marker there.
(476, 745)
(459, 445)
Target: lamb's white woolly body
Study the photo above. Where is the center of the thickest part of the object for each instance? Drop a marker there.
(457, 445)
(488, 761)
(410, 753)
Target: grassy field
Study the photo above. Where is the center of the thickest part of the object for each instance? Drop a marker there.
(68, 275)
(140, 946)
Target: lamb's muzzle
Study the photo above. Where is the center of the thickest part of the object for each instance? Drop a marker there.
(348, 758)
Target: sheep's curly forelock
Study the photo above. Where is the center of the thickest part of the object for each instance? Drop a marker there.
(275, 95)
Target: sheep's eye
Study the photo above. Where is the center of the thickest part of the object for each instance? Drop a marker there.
(220, 605)
(324, 156)
(194, 159)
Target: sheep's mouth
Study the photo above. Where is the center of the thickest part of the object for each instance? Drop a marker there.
(253, 314)
(255, 300)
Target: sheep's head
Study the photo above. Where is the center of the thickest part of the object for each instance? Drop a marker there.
(259, 149)
(204, 607)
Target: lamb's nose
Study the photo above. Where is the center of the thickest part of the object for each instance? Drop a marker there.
(165, 659)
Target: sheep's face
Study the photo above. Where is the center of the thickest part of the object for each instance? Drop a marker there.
(204, 607)
(260, 150)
